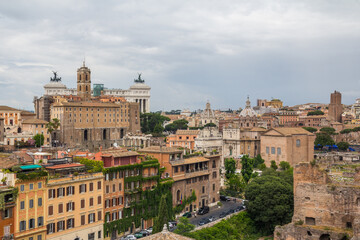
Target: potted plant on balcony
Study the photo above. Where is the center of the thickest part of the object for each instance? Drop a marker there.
(4, 180)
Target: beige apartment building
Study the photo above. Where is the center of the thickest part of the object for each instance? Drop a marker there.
(198, 173)
(293, 145)
(74, 203)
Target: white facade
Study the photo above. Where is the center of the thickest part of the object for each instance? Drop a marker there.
(231, 143)
(209, 139)
(138, 92)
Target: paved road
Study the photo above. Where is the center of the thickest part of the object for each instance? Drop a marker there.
(215, 211)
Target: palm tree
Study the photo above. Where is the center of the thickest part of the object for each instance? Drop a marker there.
(53, 126)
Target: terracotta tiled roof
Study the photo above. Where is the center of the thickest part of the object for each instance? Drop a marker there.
(7, 108)
(288, 131)
(34, 121)
(158, 149)
(6, 161)
(119, 153)
(187, 132)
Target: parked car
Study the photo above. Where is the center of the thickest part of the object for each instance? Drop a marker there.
(145, 232)
(212, 218)
(231, 211)
(239, 208)
(130, 237)
(224, 198)
(187, 214)
(203, 210)
(173, 223)
(149, 230)
(138, 235)
(223, 214)
(204, 221)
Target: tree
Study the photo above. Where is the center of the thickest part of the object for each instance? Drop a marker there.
(284, 165)
(310, 129)
(316, 112)
(258, 161)
(39, 140)
(235, 184)
(177, 124)
(270, 201)
(247, 164)
(162, 217)
(53, 125)
(148, 122)
(273, 165)
(328, 130)
(323, 139)
(230, 167)
(210, 125)
(343, 146)
(158, 129)
(184, 226)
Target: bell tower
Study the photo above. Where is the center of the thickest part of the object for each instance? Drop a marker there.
(84, 82)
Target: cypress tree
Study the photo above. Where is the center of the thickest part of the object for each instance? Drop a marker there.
(163, 216)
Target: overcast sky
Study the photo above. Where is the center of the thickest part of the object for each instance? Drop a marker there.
(187, 51)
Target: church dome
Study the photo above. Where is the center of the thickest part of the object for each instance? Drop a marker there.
(207, 113)
(248, 111)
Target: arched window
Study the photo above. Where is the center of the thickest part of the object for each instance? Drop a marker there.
(104, 134)
(86, 78)
(178, 195)
(79, 76)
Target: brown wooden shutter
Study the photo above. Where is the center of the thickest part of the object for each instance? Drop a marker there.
(48, 228)
(73, 189)
(82, 203)
(91, 186)
(50, 210)
(89, 218)
(99, 185)
(83, 220)
(73, 206)
(58, 190)
(73, 222)
(99, 215)
(91, 201)
(60, 208)
(50, 195)
(58, 224)
(85, 187)
(67, 207)
(99, 199)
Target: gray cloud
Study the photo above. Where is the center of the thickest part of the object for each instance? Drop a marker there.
(188, 52)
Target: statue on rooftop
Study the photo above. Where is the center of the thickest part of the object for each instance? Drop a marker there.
(139, 80)
(55, 78)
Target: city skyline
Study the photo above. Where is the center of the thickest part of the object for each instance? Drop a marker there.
(189, 53)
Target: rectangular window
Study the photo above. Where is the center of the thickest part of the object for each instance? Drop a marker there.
(99, 215)
(203, 189)
(40, 221)
(22, 205)
(99, 235)
(70, 190)
(298, 142)
(213, 187)
(82, 188)
(99, 185)
(91, 218)
(278, 151)
(99, 199)
(22, 226)
(51, 193)
(114, 202)
(22, 188)
(61, 192)
(60, 208)
(31, 223)
(83, 220)
(120, 187)
(91, 202)
(267, 150)
(70, 206)
(50, 228)
(107, 189)
(60, 226)
(82, 203)
(272, 150)
(39, 202)
(39, 237)
(114, 188)
(50, 210)
(91, 187)
(31, 186)
(7, 213)
(70, 223)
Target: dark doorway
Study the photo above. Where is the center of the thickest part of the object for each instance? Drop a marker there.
(85, 135)
(121, 133)
(19, 130)
(104, 134)
(191, 208)
(203, 202)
